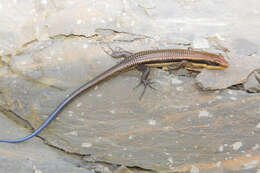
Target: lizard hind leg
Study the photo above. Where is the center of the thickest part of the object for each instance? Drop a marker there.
(145, 81)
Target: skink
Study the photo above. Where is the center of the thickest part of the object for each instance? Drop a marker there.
(144, 59)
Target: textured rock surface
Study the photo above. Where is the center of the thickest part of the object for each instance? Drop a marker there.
(49, 48)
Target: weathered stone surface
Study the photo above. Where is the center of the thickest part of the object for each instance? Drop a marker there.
(33, 156)
(49, 48)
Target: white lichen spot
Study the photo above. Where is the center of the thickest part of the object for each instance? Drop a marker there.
(233, 98)
(221, 148)
(130, 137)
(107, 5)
(176, 81)
(49, 57)
(44, 2)
(79, 104)
(219, 97)
(59, 59)
(35, 170)
(79, 21)
(94, 19)
(70, 2)
(112, 111)
(200, 43)
(219, 37)
(23, 62)
(167, 128)
(250, 165)
(152, 122)
(230, 92)
(258, 126)
(70, 113)
(132, 23)
(204, 114)
(81, 119)
(85, 46)
(255, 147)
(170, 160)
(237, 145)
(72, 133)
(1, 6)
(86, 145)
(179, 88)
(248, 155)
(194, 169)
(104, 169)
(167, 154)
(96, 87)
(218, 164)
(99, 95)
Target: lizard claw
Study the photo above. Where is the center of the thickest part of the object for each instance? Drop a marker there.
(146, 83)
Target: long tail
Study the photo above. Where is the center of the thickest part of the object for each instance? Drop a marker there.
(108, 73)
